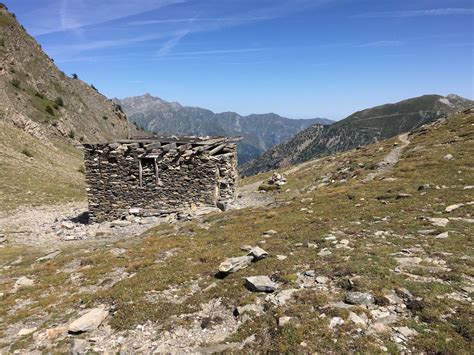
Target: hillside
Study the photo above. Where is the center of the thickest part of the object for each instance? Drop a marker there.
(260, 132)
(43, 114)
(370, 251)
(359, 129)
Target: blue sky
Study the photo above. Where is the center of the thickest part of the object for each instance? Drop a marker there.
(298, 58)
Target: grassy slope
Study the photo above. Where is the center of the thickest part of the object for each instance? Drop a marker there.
(33, 173)
(444, 325)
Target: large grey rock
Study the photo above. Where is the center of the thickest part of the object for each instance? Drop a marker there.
(89, 321)
(22, 281)
(359, 298)
(257, 253)
(438, 222)
(235, 264)
(260, 284)
(453, 207)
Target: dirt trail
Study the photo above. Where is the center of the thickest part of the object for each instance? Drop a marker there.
(390, 159)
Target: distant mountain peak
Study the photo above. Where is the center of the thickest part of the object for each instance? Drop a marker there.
(260, 131)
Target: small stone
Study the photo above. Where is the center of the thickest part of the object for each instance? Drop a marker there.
(325, 252)
(248, 308)
(344, 242)
(120, 223)
(322, 279)
(357, 319)
(270, 232)
(406, 332)
(281, 257)
(282, 297)
(312, 246)
(310, 273)
(453, 207)
(330, 237)
(260, 284)
(3, 239)
(67, 225)
(448, 157)
(23, 281)
(359, 298)
(89, 321)
(335, 321)
(49, 256)
(26, 331)
(284, 320)
(78, 346)
(403, 195)
(442, 235)
(222, 205)
(235, 264)
(438, 222)
(257, 253)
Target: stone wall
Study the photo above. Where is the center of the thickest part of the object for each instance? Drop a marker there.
(158, 176)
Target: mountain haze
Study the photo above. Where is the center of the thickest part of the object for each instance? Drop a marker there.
(260, 132)
(359, 129)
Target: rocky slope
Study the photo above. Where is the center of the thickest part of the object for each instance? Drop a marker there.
(259, 132)
(367, 251)
(359, 129)
(43, 114)
(38, 98)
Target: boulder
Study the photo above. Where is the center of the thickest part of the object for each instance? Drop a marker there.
(235, 264)
(260, 284)
(438, 222)
(89, 321)
(222, 205)
(359, 298)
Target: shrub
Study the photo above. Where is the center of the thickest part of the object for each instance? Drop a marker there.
(40, 95)
(105, 118)
(81, 139)
(15, 83)
(81, 169)
(59, 101)
(49, 110)
(71, 134)
(93, 87)
(27, 152)
(74, 76)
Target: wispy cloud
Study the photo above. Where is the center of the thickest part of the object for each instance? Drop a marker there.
(170, 44)
(194, 19)
(218, 51)
(417, 13)
(74, 15)
(377, 44)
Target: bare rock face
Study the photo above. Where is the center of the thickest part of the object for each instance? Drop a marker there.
(260, 284)
(235, 264)
(89, 321)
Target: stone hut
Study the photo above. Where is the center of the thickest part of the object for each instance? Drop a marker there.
(159, 175)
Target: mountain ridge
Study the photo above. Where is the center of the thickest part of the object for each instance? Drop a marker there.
(260, 131)
(360, 128)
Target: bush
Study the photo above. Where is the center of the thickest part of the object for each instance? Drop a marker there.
(81, 139)
(81, 169)
(74, 76)
(27, 152)
(49, 110)
(71, 134)
(93, 87)
(40, 95)
(59, 101)
(15, 83)
(105, 118)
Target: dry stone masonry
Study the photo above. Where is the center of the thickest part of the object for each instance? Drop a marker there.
(159, 175)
